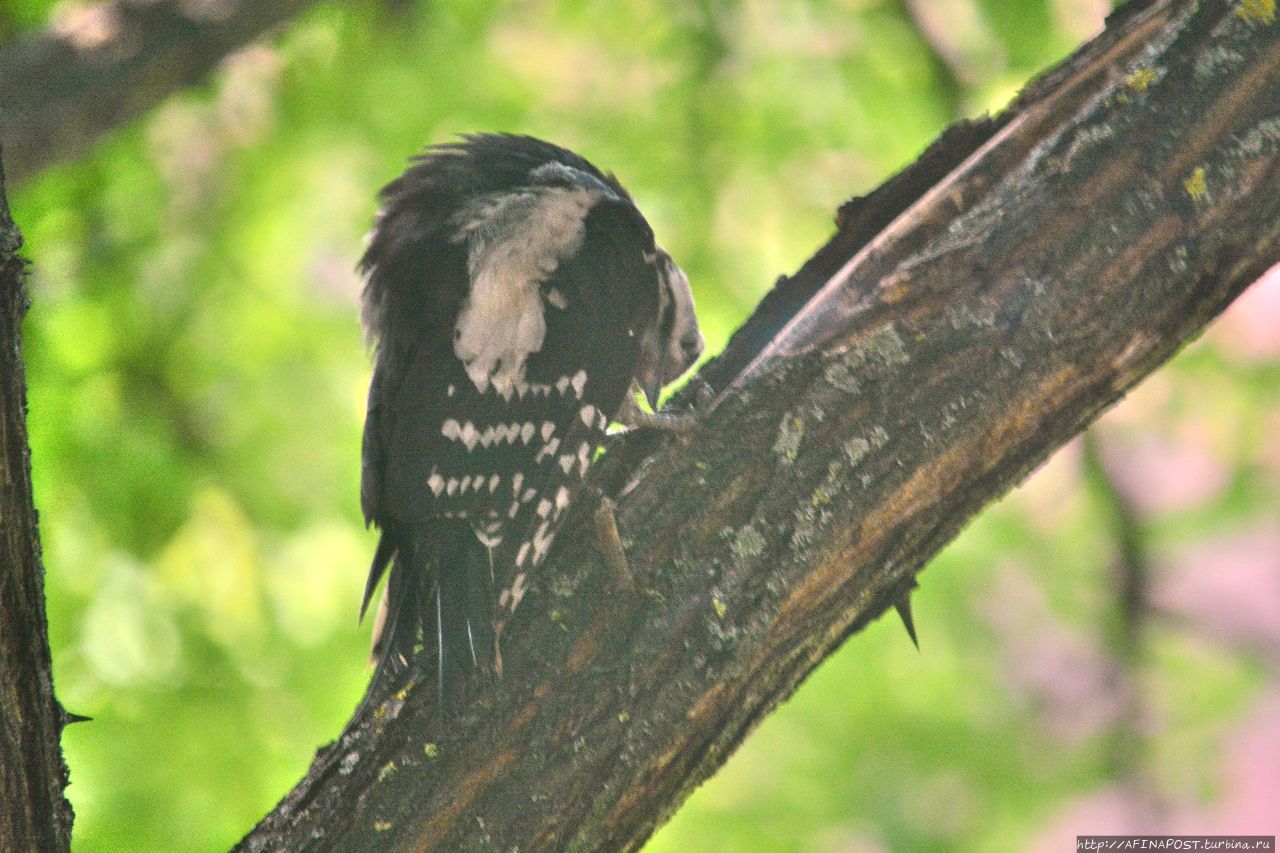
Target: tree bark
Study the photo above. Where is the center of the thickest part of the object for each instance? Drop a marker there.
(34, 815)
(111, 62)
(966, 320)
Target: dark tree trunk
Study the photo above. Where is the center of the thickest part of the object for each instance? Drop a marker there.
(33, 813)
(63, 90)
(966, 320)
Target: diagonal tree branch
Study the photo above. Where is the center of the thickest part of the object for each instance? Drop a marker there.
(109, 63)
(967, 319)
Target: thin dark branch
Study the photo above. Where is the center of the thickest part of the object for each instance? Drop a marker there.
(1131, 576)
(65, 88)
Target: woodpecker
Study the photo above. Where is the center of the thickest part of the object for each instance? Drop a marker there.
(516, 303)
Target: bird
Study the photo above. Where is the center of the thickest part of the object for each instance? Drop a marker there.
(516, 303)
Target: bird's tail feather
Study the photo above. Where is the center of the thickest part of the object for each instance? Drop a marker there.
(464, 601)
(401, 623)
(447, 607)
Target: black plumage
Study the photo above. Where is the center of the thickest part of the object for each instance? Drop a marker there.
(515, 294)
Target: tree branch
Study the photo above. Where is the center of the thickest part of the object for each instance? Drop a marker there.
(111, 62)
(968, 319)
(34, 815)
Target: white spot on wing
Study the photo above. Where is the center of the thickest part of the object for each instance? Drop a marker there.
(469, 435)
(518, 588)
(436, 482)
(527, 431)
(579, 382)
(548, 449)
(450, 429)
(542, 541)
(544, 508)
(547, 428)
(566, 462)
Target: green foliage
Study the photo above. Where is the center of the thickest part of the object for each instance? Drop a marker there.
(197, 375)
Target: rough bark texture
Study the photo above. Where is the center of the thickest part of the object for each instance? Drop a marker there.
(966, 320)
(108, 63)
(33, 813)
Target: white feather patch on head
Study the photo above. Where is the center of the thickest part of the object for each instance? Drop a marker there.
(663, 359)
(514, 242)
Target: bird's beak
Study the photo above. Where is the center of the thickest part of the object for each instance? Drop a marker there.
(661, 366)
(651, 388)
(649, 376)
